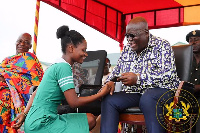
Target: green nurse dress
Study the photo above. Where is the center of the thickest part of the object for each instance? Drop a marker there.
(42, 116)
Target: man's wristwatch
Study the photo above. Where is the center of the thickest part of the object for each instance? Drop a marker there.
(138, 79)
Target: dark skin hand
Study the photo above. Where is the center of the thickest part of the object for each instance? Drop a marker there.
(112, 86)
(21, 117)
(197, 88)
(128, 78)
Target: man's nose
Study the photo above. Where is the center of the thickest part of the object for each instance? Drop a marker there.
(193, 42)
(130, 39)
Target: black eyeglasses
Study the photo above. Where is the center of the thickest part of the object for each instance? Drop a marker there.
(134, 35)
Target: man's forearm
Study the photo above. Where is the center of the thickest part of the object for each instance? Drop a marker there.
(197, 88)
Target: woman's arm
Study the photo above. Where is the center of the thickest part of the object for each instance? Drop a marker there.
(21, 117)
(75, 101)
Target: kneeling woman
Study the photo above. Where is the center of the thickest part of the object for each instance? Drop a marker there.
(57, 84)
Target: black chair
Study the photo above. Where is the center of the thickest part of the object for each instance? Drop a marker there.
(183, 59)
(93, 67)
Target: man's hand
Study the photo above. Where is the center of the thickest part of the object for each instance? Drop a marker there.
(20, 119)
(128, 78)
(197, 88)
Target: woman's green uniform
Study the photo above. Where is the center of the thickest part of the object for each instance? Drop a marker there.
(43, 117)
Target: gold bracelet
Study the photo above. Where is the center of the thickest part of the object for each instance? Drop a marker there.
(24, 114)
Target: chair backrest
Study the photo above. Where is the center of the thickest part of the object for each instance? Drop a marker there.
(90, 72)
(86, 76)
(183, 59)
(94, 66)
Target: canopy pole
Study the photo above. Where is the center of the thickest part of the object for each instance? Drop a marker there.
(36, 26)
(122, 36)
(121, 45)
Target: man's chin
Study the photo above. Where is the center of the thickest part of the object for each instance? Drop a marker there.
(18, 51)
(21, 51)
(133, 49)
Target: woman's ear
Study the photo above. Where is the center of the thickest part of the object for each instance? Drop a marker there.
(70, 48)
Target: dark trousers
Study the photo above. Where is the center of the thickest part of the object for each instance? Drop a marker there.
(112, 105)
(196, 128)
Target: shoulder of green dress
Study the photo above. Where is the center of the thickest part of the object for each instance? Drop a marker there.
(59, 66)
(63, 65)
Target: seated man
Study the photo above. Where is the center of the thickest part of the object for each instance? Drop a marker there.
(17, 74)
(147, 70)
(106, 71)
(193, 38)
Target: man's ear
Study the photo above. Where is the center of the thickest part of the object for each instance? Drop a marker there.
(30, 46)
(147, 33)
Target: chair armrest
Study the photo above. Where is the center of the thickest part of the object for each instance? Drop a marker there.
(186, 86)
(132, 110)
(178, 92)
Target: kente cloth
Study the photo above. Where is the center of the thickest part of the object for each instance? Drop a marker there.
(20, 73)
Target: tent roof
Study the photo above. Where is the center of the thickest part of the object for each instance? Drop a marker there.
(132, 6)
(111, 16)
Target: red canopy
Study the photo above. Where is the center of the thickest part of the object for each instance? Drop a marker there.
(111, 16)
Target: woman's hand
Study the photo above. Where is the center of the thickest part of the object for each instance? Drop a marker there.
(20, 119)
(108, 87)
(128, 78)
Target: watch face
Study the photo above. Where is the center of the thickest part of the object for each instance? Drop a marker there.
(138, 80)
(114, 79)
